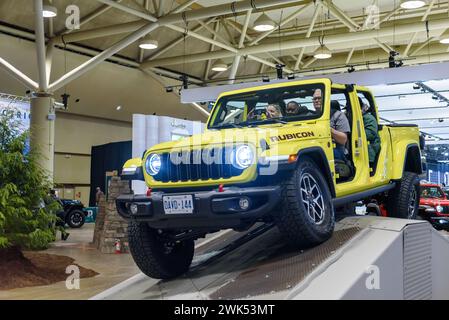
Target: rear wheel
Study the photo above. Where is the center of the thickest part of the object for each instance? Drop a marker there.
(158, 257)
(403, 200)
(307, 216)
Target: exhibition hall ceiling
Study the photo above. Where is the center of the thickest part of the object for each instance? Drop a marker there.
(359, 35)
(340, 25)
(410, 103)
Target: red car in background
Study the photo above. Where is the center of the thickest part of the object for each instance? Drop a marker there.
(434, 205)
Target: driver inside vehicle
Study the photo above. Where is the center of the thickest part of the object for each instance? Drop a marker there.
(339, 124)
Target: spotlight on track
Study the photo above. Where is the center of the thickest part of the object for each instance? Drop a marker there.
(351, 69)
(280, 70)
(265, 79)
(169, 89)
(185, 81)
(65, 100)
(393, 61)
(416, 86)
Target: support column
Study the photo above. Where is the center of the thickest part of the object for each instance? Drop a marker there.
(42, 132)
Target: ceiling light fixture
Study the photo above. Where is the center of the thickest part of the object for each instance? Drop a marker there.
(219, 66)
(444, 38)
(412, 4)
(351, 69)
(49, 11)
(322, 52)
(147, 43)
(264, 23)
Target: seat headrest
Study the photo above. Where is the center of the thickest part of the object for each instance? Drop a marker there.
(335, 105)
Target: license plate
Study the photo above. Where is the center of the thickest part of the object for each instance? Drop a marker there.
(178, 204)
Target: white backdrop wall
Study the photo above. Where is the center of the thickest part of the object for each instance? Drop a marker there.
(151, 130)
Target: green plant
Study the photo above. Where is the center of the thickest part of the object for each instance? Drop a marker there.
(27, 212)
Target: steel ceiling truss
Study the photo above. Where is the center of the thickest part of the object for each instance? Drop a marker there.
(247, 46)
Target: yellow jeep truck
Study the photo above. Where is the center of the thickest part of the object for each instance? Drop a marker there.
(256, 162)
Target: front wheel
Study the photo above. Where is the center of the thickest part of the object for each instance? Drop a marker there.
(157, 257)
(307, 215)
(403, 200)
(75, 219)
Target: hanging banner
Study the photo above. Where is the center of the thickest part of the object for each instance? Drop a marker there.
(19, 110)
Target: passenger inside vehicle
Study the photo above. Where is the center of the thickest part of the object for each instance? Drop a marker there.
(294, 109)
(372, 132)
(287, 105)
(273, 111)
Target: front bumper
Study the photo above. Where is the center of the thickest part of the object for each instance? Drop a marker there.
(212, 209)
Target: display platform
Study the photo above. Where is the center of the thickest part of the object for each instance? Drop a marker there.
(367, 258)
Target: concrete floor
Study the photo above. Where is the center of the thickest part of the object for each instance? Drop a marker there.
(112, 269)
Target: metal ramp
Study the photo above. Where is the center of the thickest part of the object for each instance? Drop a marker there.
(367, 258)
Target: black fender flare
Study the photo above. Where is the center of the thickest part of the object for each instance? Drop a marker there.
(412, 160)
(319, 157)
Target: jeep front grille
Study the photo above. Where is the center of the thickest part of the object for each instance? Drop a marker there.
(197, 165)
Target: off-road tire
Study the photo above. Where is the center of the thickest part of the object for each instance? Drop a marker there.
(147, 250)
(293, 220)
(81, 219)
(400, 198)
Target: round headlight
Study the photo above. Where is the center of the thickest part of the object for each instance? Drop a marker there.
(439, 209)
(153, 164)
(243, 157)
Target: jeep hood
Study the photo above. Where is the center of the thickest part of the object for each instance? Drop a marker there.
(272, 134)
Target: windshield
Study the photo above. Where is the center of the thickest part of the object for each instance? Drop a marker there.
(278, 105)
(431, 192)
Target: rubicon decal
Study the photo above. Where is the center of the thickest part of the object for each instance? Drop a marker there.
(292, 136)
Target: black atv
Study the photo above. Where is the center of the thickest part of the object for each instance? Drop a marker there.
(73, 213)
